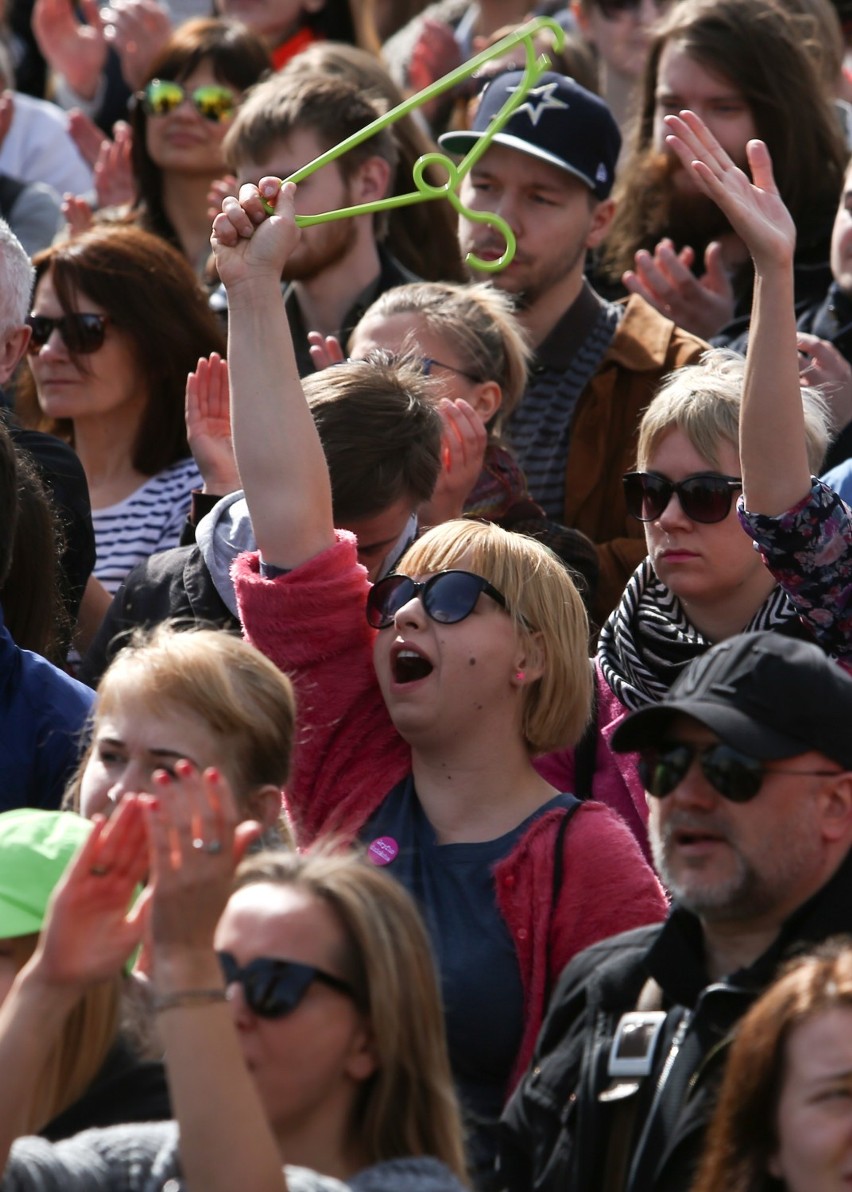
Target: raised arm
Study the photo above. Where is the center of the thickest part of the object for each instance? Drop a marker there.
(280, 459)
(773, 455)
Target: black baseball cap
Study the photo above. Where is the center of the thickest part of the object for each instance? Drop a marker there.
(559, 121)
(765, 694)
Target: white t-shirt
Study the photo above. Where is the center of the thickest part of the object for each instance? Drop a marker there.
(149, 520)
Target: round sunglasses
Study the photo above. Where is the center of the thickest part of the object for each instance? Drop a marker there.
(705, 497)
(213, 101)
(82, 333)
(447, 597)
(734, 775)
(273, 988)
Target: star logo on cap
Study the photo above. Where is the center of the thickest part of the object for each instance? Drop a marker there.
(539, 100)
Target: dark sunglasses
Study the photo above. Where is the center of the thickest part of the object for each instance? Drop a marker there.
(447, 597)
(736, 776)
(213, 101)
(705, 497)
(273, 988)
(81, 333)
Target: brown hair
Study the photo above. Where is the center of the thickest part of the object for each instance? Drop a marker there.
(743, 1133)
(381, 434)
(89, 1032)
(152, 297)
(759, 48)
(424, 236)
(408, 1106)
(238, 58)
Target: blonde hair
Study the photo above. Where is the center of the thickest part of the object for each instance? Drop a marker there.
(243, 697)
(543, 602)
(703, 402)
(476, 321)
(89, 1032)
(408, 1107)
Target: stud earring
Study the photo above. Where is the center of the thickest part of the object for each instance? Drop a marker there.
(520, 676)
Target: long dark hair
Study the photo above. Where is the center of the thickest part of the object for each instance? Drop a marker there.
(150, 293)
(237, 57)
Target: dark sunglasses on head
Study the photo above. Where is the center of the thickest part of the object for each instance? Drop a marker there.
(81, 333)
(273, 988)
(447, 597)
(705, 497)
(213, 101)
(734, 775)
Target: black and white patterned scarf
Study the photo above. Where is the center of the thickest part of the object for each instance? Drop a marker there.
(648, 639)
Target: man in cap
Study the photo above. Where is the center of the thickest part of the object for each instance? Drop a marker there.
(748, 765)
(549, 173)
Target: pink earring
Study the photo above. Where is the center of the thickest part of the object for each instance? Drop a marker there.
(520, 676)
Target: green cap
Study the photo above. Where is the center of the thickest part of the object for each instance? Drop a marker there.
(35, 849)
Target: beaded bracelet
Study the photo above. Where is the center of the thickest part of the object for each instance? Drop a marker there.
(187, 997)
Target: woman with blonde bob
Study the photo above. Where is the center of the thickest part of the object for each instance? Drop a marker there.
(422, 699)
(199, 693)
(702, 580)
(783, 1115)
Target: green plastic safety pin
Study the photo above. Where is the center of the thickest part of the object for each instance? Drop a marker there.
(426, 191)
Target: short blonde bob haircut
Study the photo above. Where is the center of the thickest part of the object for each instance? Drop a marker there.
(543, 602)
(244, 698)
(408, 1107)
(703, 402)
(476, 321)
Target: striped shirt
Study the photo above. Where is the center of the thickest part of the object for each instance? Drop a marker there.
(539, 429)
(149, 520)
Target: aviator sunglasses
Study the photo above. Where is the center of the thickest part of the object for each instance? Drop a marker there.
(705, 497)
(447, 597)
(273, 988)
(82, 333)
(734, 775)
(213, 101)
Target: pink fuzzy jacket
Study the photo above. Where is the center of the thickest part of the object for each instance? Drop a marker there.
(349, 756)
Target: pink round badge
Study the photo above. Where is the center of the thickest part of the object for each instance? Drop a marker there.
(383, 850)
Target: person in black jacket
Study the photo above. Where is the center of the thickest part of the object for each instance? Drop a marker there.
(748, 761)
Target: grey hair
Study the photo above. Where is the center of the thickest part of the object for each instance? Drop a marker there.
(18, 278)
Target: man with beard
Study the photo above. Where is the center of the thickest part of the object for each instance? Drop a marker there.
(748, 765)
(749, 70)
(339, 267)
(596, 365)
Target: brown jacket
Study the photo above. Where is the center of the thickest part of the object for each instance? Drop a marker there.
(645, 348)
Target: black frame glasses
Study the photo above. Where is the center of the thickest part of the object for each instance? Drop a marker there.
(213, 101)
(83, 332)
(447, 597)
(273, 988)
(735, 775)
(705, 497)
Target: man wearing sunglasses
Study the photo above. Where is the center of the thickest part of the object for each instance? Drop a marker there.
(596, 365)
(748, 767)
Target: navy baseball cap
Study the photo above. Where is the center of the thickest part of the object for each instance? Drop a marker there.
(766, 694)
(559, 122)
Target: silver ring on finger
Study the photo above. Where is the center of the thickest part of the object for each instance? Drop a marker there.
(214, 847)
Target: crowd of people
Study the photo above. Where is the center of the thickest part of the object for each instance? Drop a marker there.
(426, 612)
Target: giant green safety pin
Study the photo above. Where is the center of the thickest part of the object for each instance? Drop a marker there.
(426, 191)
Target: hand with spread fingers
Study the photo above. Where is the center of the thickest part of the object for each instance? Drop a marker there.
(702, 305)
(195, 842)
(93, 924)
(753, 206)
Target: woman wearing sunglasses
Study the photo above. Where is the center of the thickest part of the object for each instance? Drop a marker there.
(298, 1010)
(421, 700)
(118, 321)
(179, 121)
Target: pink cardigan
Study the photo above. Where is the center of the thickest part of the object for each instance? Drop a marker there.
(348, 758)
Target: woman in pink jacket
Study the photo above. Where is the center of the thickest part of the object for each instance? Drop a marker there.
(421, 700)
